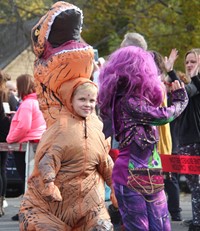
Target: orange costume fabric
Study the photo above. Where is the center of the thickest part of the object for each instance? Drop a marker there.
(61, 61)
(73, 152)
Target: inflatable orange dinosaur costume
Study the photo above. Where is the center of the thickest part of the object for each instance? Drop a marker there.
(66, 189)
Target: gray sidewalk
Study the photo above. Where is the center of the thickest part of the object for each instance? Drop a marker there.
(6, 224)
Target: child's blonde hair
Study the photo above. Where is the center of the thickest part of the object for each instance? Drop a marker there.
(85, 86)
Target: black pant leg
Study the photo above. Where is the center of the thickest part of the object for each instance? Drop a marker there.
(21, 165)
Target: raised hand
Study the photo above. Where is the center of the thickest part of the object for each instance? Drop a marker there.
(169, 61)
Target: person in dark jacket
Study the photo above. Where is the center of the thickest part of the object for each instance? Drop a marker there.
(189, 131)
(167, 141)
(6, 99)
(185, 129)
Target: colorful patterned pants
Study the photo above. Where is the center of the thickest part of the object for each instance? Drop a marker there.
(139, 213)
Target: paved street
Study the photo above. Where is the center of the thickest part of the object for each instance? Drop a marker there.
(6, 224)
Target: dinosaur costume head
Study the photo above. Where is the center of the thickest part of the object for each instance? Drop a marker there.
(61, 57)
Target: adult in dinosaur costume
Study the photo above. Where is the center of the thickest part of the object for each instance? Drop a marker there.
(66, 189)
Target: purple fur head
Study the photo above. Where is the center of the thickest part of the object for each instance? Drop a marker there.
(130, 71)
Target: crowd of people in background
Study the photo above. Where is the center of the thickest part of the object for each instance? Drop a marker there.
(112, 119)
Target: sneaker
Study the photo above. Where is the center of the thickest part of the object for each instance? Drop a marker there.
(176, 218)
(15, 218)
(5, 203)
(187, 222)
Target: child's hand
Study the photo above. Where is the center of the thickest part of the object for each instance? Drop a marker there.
(51, 192)
(177, 85)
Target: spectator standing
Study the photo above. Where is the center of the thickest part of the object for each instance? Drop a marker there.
(189, 130)
(27, 124)
(166, 144)
(135, 95)
(12, 87)
(5, 118)
(186, 140)
(134, 39)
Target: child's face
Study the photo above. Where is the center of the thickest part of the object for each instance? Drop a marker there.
(84, 101)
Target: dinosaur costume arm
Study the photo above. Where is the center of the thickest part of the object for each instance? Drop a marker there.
(50, 164)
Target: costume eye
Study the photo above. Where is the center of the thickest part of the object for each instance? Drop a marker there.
(37, 32)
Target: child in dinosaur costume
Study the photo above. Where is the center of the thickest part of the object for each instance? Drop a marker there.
(66, 189)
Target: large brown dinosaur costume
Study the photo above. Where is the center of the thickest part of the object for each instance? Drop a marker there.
(72, 159)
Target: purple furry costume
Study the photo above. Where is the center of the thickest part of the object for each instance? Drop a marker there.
(130, 95)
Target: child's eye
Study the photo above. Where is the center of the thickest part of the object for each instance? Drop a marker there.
(92, 101)
(82, 99)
